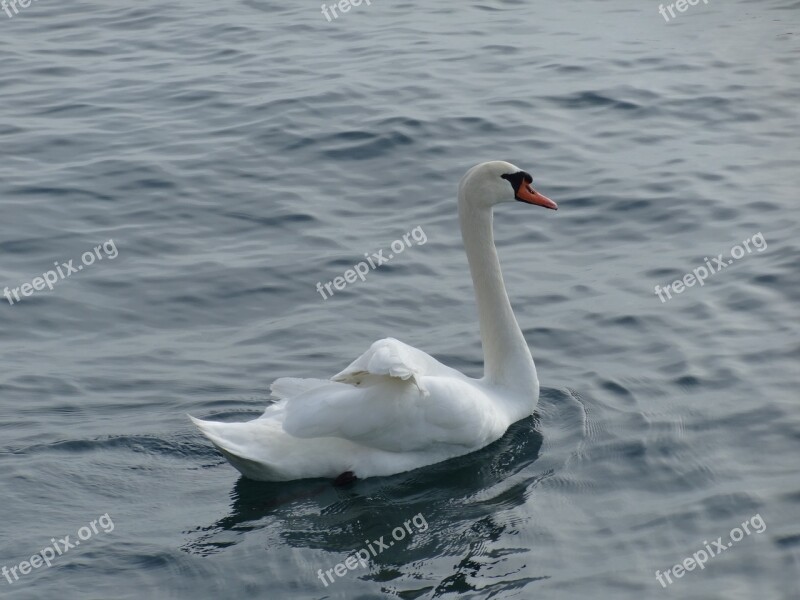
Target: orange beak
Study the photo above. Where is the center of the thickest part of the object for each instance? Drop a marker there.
(527, 194)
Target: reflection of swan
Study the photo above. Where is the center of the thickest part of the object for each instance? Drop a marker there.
(396, 408)
(457, 493)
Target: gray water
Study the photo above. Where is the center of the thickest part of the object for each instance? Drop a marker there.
(232, 155)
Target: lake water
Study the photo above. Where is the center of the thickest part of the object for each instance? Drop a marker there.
(223, 158)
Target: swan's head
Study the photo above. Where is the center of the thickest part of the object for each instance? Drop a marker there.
(498, 181)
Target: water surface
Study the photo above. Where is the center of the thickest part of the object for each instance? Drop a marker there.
(237, 154)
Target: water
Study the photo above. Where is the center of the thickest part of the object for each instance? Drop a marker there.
(237, 154)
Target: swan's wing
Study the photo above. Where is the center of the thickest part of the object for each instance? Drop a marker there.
(392, 358)
(392, 414)
(397, 399)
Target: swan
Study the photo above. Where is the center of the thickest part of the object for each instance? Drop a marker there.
(396, 408)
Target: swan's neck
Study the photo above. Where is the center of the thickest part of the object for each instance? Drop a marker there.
(507, 359)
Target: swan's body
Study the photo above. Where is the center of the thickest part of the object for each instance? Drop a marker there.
(395, 408)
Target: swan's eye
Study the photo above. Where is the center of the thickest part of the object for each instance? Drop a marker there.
(517, 179)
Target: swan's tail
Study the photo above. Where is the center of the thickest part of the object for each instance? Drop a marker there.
(233, 440)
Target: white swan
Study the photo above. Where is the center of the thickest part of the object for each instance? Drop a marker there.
(395, 408)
